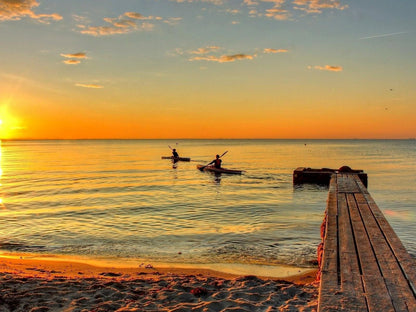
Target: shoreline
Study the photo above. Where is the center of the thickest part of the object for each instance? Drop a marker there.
(42, 265)
(68, 286)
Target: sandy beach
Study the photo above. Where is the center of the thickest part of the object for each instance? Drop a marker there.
(40, 285)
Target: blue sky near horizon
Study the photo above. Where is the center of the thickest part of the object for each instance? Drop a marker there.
(200, 69)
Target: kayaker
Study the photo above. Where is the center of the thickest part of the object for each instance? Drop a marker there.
(175, 153)
(217, 162)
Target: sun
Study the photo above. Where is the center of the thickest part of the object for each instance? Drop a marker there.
(6, 121)
(10, 125)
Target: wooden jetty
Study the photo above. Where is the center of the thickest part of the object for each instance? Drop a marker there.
(363, 264)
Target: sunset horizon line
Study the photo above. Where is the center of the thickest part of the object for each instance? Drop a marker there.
(194, 139)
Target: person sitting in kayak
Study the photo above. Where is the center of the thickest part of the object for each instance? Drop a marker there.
(217, 162)
(175, 153)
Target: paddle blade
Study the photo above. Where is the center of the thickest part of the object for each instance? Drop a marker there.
(224, 153)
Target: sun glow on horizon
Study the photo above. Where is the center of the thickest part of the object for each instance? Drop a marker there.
(8, 123)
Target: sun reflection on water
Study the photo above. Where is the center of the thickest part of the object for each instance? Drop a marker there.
(1, 175)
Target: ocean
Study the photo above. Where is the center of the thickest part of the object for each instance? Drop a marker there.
(118, 201)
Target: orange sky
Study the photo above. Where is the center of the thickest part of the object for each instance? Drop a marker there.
(68, 123)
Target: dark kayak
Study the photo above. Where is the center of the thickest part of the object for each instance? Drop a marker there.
(177, 158)
(219, 170)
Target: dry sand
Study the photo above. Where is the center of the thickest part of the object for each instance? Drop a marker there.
(38, 285)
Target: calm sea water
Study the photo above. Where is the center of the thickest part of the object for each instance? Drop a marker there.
(118, 199)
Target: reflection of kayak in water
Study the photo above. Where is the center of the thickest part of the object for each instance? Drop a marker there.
(218, 170)
(177, 158)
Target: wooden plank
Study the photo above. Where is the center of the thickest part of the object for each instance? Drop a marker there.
(407, 263)
(362, 188)
(378, 297)
(346, 184)
(342, 185)
(351, 283)
(402, 296)
(329, 294)
(330, 256)
(329, 284)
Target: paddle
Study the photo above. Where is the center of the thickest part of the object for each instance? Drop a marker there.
(171, 147)
(203, 167)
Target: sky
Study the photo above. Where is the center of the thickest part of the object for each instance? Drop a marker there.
(145, 69)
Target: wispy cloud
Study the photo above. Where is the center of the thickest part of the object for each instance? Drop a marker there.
(79, 18)
(173, 21)
(327, 68)
(385, 35)
(316, 6)
(74, 58)
(125, 23)
(212, 54)
(223, 58)
(269, 50)
(18, 9)
(277, 13)
(78, 55)
(205, 50)
(72, 62)
(92, 86)
(233, 11)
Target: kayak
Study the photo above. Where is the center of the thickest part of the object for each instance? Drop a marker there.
(177, 158)
(219, 170)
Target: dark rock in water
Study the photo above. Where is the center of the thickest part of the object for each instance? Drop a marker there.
(345, 169)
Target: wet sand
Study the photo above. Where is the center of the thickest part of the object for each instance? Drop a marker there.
(50, 285)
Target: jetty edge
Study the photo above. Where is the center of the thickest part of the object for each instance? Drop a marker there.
(363, 265)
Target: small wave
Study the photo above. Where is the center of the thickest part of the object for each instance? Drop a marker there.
(21, 247)
(267, 178)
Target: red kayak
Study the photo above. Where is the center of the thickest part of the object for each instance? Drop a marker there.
(219, 170)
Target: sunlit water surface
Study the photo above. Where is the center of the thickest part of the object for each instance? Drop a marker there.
(117, 199)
